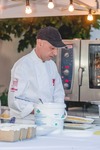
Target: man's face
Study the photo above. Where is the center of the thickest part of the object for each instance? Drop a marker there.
(46, 50)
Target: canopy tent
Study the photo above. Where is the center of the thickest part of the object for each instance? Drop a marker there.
(16, 8)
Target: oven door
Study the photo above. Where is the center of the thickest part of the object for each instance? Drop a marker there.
(90, 71)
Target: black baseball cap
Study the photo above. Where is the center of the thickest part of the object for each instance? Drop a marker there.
(51, 35)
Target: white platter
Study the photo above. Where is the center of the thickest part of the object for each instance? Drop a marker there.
(96, 119)
(77, 126)
(76, 119)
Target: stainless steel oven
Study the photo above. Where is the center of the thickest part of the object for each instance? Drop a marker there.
(79, 67)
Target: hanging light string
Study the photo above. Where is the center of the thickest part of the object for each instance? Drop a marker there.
(71, 9)
(28, 9)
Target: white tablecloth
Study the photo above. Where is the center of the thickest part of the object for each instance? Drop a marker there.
(67, 140)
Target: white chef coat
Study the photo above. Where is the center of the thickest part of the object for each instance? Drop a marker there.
(31, 79)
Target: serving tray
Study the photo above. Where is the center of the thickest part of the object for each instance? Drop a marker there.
(75, 119)
(77, 126)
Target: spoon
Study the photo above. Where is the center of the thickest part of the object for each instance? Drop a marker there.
(30, 100)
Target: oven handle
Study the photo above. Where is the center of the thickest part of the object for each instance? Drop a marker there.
(80, 75)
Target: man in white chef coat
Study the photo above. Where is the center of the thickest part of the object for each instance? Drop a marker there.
(35, 76)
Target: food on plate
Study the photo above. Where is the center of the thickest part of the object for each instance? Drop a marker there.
(78, 119)
(5, 115)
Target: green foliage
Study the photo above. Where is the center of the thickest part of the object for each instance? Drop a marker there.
(4, 98)
(26, 28)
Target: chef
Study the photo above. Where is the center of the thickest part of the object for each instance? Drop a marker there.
(35, 78)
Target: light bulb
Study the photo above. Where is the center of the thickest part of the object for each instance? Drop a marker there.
(90, 17)
(50, 4)
(71, 8)
(28, 10)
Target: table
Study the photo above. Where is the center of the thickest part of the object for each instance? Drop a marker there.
(67, 140)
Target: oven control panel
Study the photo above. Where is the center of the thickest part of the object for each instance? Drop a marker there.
(67, 67)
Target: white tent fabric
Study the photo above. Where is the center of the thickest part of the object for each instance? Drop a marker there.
(16, 8)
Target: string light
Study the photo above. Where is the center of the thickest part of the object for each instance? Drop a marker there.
(71, 7)
(50, 4)
(28, 9)
(90, 16)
